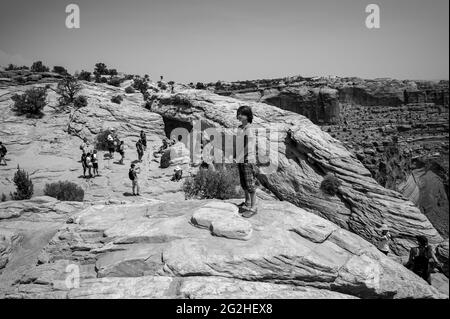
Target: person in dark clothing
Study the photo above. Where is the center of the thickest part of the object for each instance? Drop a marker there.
(143, 140)
(140, 150)
(3, 152)
(421, 259)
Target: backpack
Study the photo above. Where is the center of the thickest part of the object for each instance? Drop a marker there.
(131, 174)
(88, 161)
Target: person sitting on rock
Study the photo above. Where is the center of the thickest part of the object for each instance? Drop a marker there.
(3, 152)
(177, 174)
(422, 258)
(140, 150)
(245, 158)
(94, 161)
(384, 240)
(121, 152)
(133, 176)
(143, 140)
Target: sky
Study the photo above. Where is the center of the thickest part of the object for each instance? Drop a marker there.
(211, 40)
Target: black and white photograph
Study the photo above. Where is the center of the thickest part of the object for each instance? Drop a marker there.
(227, 157)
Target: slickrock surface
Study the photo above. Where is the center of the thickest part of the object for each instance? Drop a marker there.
(153, 250)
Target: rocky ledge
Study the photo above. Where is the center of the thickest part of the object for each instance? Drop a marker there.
(180, 250)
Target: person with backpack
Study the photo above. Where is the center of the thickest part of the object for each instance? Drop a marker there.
(121, 152)
(94, 161)
(3, 152)
(144, 140)
(133, 176)
(140, 150)
(88, 163)
(422, 259)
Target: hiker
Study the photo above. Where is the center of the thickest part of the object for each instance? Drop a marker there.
(384, 240)
(3, 152)
(88, 163)
(110, 140)
(84, 147)
(245, 158)
(422, 258)
(94, 161)
(143, 140)
(133, 176)
(121, 152)
(83, 164)
(177, 174)
(140, 150)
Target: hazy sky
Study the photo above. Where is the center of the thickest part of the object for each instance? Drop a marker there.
(210, 40)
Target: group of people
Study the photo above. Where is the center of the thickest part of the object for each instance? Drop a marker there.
(422, 259)
(89, 159)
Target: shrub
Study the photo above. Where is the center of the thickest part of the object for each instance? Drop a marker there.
(64, 191)
(200, 86)
(330, 185)
(60, 70)
(31, 103)
(24, 185)
(112, 72)
(162, 85)
(3, 199)
(39, 67)
(80, 101)
(68, 88)
(101, 140)
(84, 76)
(129, 90)
(101, 69)
(219, 183)
(115, 81)
(117, 99)
(140, 85)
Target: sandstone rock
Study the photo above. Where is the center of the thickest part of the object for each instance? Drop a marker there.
(175, 155)
(304, 155)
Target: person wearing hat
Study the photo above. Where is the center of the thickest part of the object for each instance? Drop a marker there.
(384, 240)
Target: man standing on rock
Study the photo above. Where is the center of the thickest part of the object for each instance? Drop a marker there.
(246, 159)
(133, 176)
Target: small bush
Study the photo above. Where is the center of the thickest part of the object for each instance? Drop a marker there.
(31, 103)
(60, 70)
(3, 199)
(24, 185)
(117, 99)
(114, 81)
(84, 76)
(101, 140)
(39, 67)
(129, 90)
(140, 85)
(200, 86)
(330, 185)
(219, 183)
(80, 101)
(64, 191)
